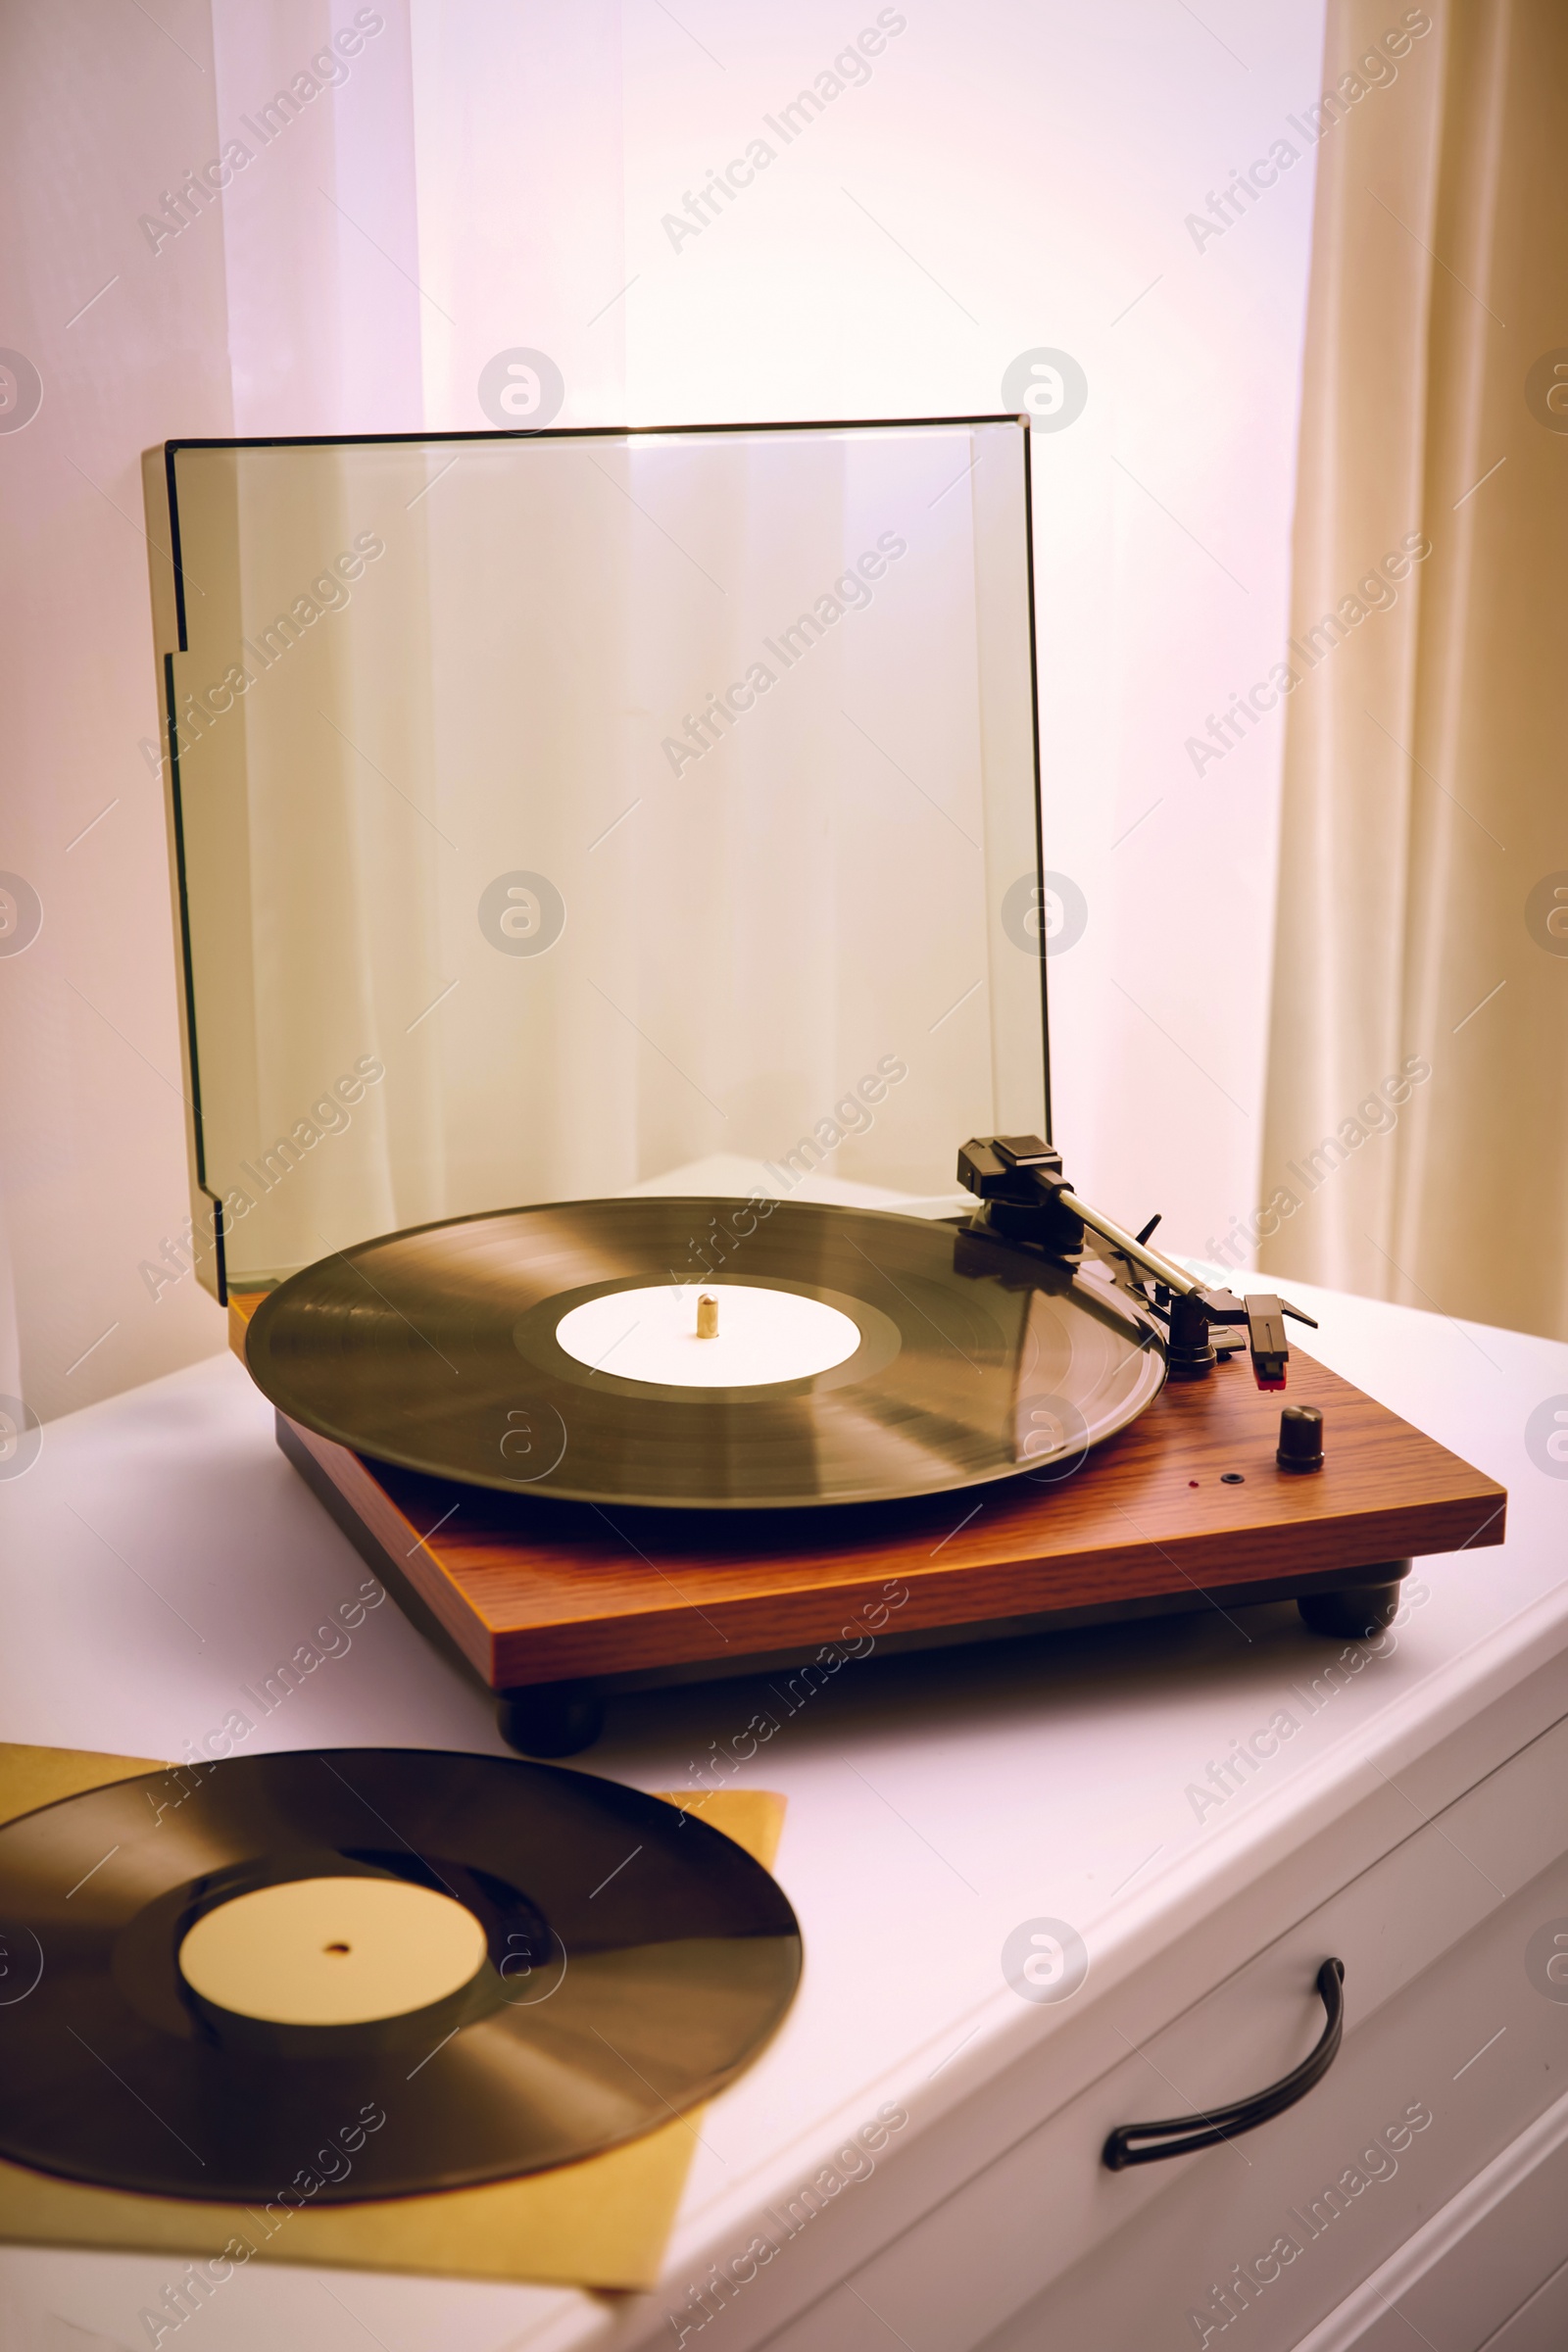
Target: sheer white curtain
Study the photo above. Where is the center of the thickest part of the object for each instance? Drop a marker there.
(1418, 1085)
(127, 334)
(275, 217)
(427, 187)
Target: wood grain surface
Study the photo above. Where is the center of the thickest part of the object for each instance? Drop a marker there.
(533, 1591)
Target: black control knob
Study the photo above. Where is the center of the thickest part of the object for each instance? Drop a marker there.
(1301, 1445)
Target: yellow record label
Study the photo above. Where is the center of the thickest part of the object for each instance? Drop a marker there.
(332, 1951)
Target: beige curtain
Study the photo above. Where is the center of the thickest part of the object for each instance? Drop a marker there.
(1416, 1130)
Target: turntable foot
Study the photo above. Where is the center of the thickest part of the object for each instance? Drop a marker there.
(1356, 1612)
(549, 1719)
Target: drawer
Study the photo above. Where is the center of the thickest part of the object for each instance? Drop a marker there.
(1467, 2053)
(1487, 2273)
(1541, 2325)
(1044, 2246)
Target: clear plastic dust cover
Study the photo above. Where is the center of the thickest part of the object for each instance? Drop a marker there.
(573, 814)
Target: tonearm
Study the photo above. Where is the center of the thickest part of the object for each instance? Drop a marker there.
(1024, 1197)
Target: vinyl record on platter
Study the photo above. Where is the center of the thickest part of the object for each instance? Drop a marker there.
(843, 1356)
(322, 1977)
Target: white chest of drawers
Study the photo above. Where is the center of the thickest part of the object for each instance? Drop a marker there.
(1413, 1821)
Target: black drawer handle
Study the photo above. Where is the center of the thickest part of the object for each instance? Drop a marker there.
(1185, 2133)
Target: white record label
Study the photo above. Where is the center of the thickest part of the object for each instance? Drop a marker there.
(332, 1951)
(764, 1335)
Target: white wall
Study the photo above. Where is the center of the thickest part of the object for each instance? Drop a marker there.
(493, 175)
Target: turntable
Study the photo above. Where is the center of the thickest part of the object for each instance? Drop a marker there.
(609, 891)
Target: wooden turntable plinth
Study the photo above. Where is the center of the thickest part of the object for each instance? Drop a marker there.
(552, 1604)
